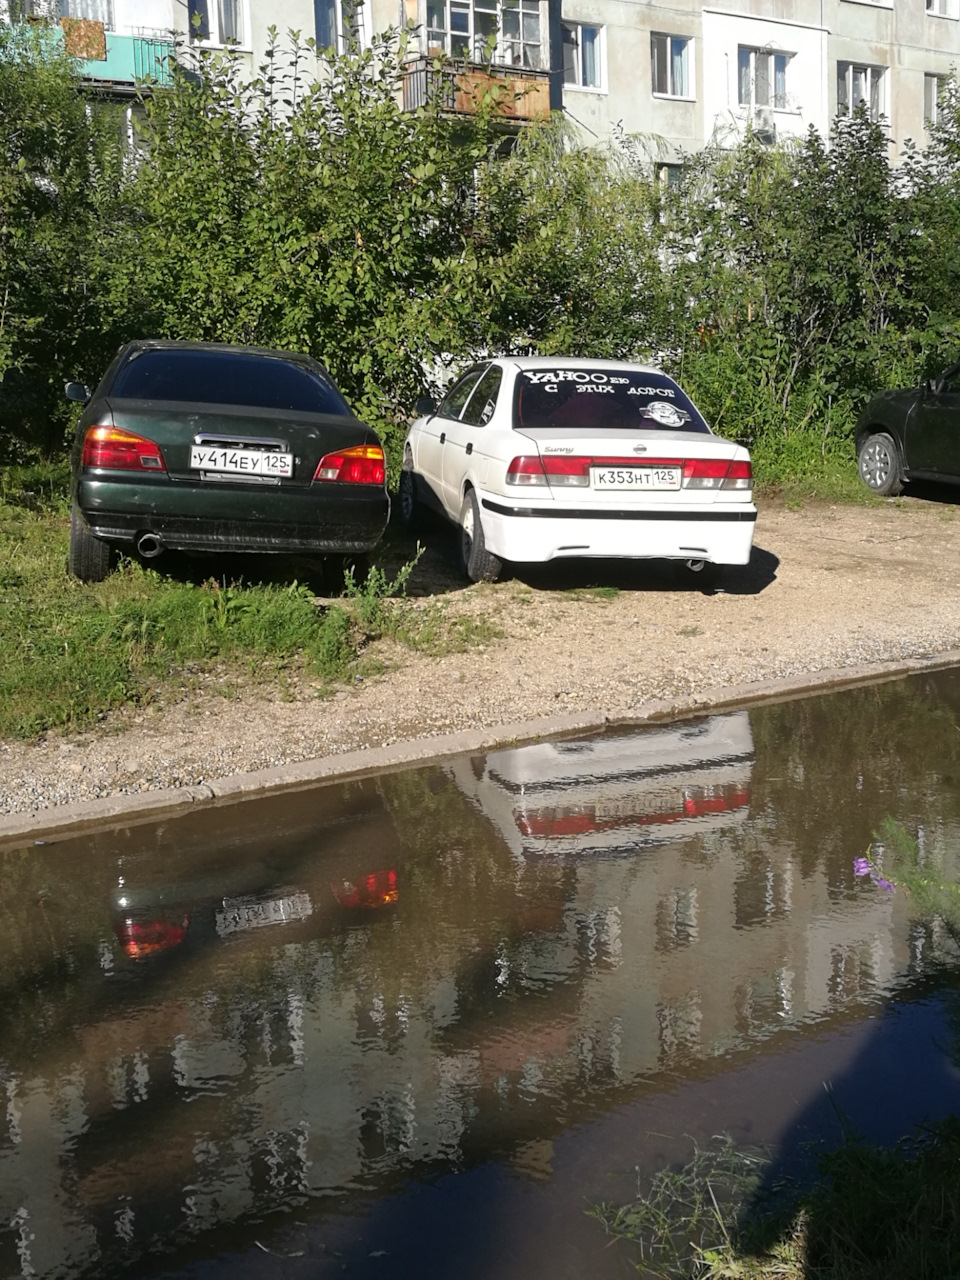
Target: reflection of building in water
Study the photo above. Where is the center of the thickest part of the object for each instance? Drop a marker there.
(520, 975)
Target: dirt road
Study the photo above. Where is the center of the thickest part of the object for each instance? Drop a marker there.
(828, 587)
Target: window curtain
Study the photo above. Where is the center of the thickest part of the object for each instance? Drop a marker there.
(93, 10)
(325, 17)
(744, 94)
(591, 61)
(231, 21)
(678, 68)
(197, 10)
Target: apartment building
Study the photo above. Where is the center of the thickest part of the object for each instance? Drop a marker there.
(684, 73)
(678, 73)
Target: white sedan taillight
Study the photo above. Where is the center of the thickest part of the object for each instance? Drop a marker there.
(698, 473)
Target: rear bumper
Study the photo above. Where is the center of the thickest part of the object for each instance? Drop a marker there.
(721, 533)
(238, 518)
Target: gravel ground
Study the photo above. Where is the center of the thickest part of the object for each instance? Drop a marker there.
(827, 587)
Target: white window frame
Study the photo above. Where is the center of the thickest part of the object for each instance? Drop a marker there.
(942, 9)
(216, 37)
(763, 66)
(575, 30)
(849, 73)
(662, 45)
(464, 29)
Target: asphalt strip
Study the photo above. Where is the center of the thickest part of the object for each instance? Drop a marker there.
(42, 826)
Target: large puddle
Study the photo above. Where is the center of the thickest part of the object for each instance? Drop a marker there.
(415, 1025)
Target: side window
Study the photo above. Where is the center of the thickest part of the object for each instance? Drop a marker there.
(453, 402)
(483, 402)
(951, 381)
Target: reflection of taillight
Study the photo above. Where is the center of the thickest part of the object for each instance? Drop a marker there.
(142, 938)
(360, 464)
(376, 890)
(118, 450)
(557, 823)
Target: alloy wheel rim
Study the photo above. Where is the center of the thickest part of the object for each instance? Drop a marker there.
(875, 465)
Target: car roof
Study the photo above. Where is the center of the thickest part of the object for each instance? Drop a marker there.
(574, 362)
(173, 344)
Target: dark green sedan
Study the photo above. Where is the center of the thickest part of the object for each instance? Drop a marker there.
(203, 447)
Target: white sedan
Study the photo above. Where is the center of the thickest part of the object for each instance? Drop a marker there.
(538, 458)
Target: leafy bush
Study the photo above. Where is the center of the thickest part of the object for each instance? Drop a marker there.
(783, 285)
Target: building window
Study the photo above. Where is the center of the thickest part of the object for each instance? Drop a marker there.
(857, 84)
(931, 98)
(92, 10)
(762, 78)
(217, 21)
(670, 70)
(338, 23)
(473, 29)
(581, 55)
(942, 8)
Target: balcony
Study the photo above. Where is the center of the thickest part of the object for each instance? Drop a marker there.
(116, 62)
(521, 95)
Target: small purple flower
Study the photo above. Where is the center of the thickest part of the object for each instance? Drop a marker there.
(861, 866)
(884, 884)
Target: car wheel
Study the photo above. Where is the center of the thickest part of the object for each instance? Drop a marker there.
(878, 461)
(90, 557)
(411, 508)
(479, 564)
(702, 575)
(336, 569)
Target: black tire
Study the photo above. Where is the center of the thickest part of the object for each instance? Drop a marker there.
(412, 513)
(878, 461)
(702, 575)
(476, 562)
(336, 568)
(90, 558)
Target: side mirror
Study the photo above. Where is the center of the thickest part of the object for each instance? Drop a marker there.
(425, 406)
(77, 391)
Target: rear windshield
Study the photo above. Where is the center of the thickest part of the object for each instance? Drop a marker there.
(603, 400)
(227, 377)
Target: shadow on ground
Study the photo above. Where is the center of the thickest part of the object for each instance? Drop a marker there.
(435, 570)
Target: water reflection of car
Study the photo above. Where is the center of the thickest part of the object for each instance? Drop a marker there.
(148, 922)
(618, 791)
(310, 870)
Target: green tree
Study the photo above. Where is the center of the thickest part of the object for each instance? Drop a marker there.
(61, 195)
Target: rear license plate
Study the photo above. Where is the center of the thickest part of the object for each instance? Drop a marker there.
(239, 462)
(635, 477)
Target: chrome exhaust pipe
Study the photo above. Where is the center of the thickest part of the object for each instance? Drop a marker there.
(149, 546)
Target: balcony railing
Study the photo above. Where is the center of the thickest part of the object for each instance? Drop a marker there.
(518, 94)
(116, 60)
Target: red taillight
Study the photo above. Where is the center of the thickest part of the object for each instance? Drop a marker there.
(717, 473)
(141, 938)
(117, 450)
(360, 464)
(698, 473)
(379, 889)
(526, 470)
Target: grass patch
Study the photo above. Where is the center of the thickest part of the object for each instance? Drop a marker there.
(75, 651)
(795, 472)
(874, 1214)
